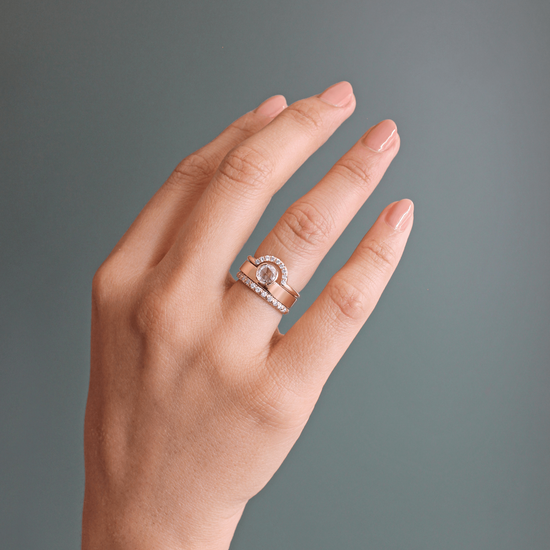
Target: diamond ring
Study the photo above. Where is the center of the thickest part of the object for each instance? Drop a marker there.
(267, 276)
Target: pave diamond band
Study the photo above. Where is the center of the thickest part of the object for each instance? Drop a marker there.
(261, 292)
(267, 276)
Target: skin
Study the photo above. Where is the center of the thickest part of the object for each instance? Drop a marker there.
(195, 396)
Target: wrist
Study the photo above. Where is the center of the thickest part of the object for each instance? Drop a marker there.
(110, 529)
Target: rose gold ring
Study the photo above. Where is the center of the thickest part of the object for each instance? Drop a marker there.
(267, 276)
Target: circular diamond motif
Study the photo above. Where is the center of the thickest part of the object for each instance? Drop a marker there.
(266, 274)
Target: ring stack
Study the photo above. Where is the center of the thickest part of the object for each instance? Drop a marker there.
(267, 276)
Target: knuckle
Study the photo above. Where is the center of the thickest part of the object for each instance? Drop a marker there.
(153, 314)
(247, 167)
(358, 171)
(347, 301)
(306, 115)
(305, 227)
(269, 403)
(196, 166)
(379, 256)
(104, 286)
(267, 410)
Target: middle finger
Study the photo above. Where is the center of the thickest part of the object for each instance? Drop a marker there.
(311, 225)
(247, 178)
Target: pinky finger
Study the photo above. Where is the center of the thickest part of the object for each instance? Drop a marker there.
(309, 351)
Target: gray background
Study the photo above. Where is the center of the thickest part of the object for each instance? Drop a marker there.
(434, 430)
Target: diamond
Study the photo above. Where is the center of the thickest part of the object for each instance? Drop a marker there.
(275, 303)
(266, 274)
(257, 261)
(264, 293)
(270, 298)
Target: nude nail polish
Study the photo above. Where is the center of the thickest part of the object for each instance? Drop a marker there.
(338, 94)
(379, 137)
(272, 107)
(399, 215)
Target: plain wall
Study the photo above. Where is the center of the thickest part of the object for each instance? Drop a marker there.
(434, 430)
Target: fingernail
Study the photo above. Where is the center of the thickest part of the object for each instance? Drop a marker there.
(379, 137)
(399, 215)
(272, 107)
(338, 94)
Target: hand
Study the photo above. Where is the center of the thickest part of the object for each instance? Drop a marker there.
(195, 396)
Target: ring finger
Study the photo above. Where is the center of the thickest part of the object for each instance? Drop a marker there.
(311, 225)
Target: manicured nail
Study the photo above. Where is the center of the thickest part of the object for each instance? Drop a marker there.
(399, 215)
(272, 107)
(338, 94)
(379, 137)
